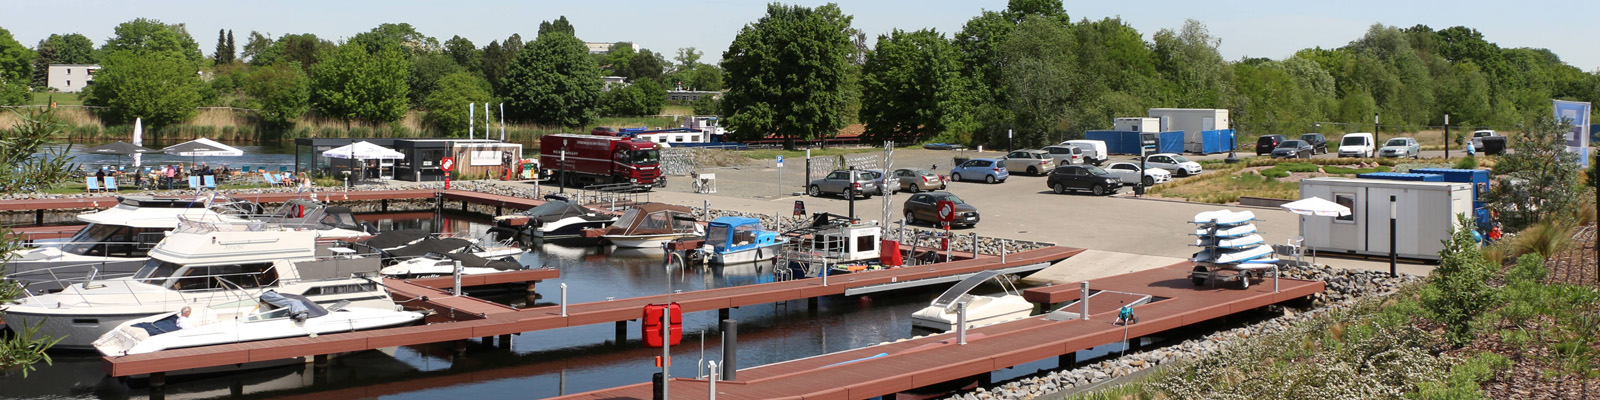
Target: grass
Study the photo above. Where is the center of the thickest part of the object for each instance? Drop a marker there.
(61, 99)
(1227, 186)
(677, 110)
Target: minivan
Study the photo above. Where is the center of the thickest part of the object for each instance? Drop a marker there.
(1359, 144)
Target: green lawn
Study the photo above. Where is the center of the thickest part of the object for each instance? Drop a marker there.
(677, 110)
(62, 99)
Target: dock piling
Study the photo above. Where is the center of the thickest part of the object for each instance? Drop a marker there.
(722, 314)
(961, 323)
(730, 349)
(622, 331)
(1068, 360)
(1083, 300)
(320, 361)
(563, 299)
(1003, 251)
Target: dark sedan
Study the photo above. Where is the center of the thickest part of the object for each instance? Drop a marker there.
(1266, 143)
(1319, 143)
(1083, 177)
(1293, 149)
(925, 207)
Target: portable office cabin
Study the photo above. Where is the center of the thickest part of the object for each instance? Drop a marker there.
(1425, 214)
(1147, 125)
(1193, 121)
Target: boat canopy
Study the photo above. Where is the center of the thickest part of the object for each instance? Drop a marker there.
(396, 238)
(735, 221)
(473, 261)
(955, 293)
(654, 219)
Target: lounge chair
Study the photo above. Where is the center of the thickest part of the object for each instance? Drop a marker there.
(245, 169)
(271, 178)
(91, 184)
(194, 182)
(111, 183)
(210, 182)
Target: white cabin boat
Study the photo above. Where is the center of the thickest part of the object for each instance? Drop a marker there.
(981, 310)
(272, 316)
(652, 225)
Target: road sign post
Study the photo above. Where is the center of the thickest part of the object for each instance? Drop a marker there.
(947, 214)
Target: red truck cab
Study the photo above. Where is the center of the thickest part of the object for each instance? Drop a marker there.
(596, 159)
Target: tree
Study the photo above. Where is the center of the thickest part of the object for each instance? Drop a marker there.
(447, 104)
(152, 36)
(60, 49)
(353, 84)
(223, 54)
(786, 74)
(464, 53)
(160, 87)
(1458, 290)
(706, 105)
(552, 81)
(27, 171)
(427, 68)
(910, 83)
(560, 25)
(497, 58)
(646, 65)
(687, 58)
(257, 43)
(282, 90)
(643, 97)
(16, 70)
(1039, 71)
(615, 61)
(402, 36)
(1189, 60)
(231, 49)
(305, 49)
(1538, 179)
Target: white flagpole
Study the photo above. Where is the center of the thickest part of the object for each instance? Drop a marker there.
(472, 117)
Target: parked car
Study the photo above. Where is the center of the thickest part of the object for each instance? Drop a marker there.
(1066, 154)
(918, 179)
(991, 170)
(1032, 162)
(886, 186)
(1401, 147)
(1083, 177)
(1173, 163)
(1293, 149)
(1359, 144)
(1093, 150)
(1128, 172)
(1488, 142)
(1266, 143)
(925, 207)
(1319, 143)
(863, 183)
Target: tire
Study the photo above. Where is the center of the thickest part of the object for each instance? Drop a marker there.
(1099, 190)
(1059, 188)
(1149, 181)
(1033, 171)
(911, 218)
(1182, 172)
(955, 177)
(989, 179)
(1244, 280)
(916, 188)
(814, 191)
(942, 186)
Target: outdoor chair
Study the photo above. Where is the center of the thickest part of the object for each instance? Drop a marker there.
(272, 179)
(194, 182)
(244, 169)
(91, 184)
(283, 169)
(111, 184)
(210, 181)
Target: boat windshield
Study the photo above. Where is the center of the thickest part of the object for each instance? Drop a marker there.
(646, 157)
(113, 240)
(717, 236)
(156, 270)
(955, 293)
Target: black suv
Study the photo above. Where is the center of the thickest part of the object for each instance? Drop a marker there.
(1319, 144)
(925, 207)
(1083, 177)
(1266, 143)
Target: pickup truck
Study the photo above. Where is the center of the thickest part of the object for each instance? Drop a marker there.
(1488, 142)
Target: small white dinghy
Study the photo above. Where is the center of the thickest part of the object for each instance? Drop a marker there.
(1230, 256)
(981, 310)
(1225, 231)
(1229, 243)
(1223, 217)
(277, 316)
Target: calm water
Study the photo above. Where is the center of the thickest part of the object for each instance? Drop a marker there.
(541, 363)
(271, 154)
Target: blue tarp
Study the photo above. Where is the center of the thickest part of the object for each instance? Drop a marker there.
(1217, 141)
(1170, 142)
(1127, 142)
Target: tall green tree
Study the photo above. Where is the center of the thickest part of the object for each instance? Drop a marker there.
(16, 70)
(1197, 75)
(152, 36)
(232, 50)
(912, 86)
(615, 60)
(70, 48)
(497, 58)
(643, 97)
(282, 92)
(647, 65)
(256, 44)
(1039, 71)
(559, 25)
(553, 81)
(305, 49)
(353, 84)
(465, 54)
(447, 104)
(402, 36)
(427, 68)
(222, 55)
(160, 87)
(786, 72)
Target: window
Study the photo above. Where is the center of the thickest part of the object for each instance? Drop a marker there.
(69, 83)
(1347, 200)
(866, 243)
(69, 72)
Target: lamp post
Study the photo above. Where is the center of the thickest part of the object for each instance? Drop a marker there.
(1447, 136)
(1394, 210)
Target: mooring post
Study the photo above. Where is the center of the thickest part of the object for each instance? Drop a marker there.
(713, 381)
(383, 205)
(722, 313)
(974, 245)
(563, 299)
(457, 275)
(1003, 250)
(504, 342)
(666, 354)
(961, 323)
(38, 217)
(1067, 360)
(622, 331)
(730, 349)
(1083, 300)
(320, 361)
(705, 210)
(158, 380)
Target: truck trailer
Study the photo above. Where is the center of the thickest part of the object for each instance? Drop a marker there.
(595, 159)
(1424, 213)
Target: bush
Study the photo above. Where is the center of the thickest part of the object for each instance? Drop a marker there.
(1338, 170)
(1458, 290)
(1468, 162)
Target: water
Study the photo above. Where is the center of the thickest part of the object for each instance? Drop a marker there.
(542, 363)
(272, 154)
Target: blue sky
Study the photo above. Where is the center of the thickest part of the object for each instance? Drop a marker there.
(1253, 28)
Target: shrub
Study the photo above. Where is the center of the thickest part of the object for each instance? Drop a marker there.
(1458, 290)
(1339, 170)
(1468, 162)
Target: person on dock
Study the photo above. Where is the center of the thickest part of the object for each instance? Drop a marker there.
(1125, 316)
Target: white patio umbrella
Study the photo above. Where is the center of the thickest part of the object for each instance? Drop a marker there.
(202, 147)
(363, 151)
(1317, 206)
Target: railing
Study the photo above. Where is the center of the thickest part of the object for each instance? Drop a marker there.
(614, 194)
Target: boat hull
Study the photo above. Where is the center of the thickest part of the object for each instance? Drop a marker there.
(645, 241)
(994, 310)
(76, 331)
(745, 255)
(567, 228)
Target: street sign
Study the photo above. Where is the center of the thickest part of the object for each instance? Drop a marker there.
(447, 164)
(780, 161)
(799, 208)
(947, 211)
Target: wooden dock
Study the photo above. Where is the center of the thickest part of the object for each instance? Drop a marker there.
(478, 319)
(912, 364)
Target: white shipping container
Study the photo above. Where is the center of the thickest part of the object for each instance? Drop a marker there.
(1191, 121)
(1137, 124)
(1425, 214)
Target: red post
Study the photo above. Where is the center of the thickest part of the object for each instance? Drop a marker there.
(447, 180)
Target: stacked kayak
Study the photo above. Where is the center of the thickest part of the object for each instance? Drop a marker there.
(1228, 239)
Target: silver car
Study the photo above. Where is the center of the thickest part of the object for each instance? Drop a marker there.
(861, 182)
(1032, 162)
(1401, 147)
(917, 180)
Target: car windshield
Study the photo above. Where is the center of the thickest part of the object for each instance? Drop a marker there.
(1178, 159)
(1308, 137)
(1354, 140)
(646, 157)
(921, 172)
(952, 198)
(1396, 142)
(1290, 144)
(1093, 170)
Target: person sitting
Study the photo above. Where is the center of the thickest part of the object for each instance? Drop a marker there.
(100, 177)
(1125, 316)
(184, 320)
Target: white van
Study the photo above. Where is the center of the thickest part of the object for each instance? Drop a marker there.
(1357, 145)
(1093, 150)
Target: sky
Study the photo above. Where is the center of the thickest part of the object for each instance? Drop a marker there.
(1247, 28)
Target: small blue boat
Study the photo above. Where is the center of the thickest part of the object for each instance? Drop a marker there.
(736, 240)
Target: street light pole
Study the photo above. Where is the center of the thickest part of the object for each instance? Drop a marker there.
(1447, 136)
(1394, 210)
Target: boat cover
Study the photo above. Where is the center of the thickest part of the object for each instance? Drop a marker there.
(396, 238)
(654, 219)
(299, 307)
(430, 245)
(473, 261)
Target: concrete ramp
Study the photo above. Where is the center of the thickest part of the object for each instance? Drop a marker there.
(1095, 264)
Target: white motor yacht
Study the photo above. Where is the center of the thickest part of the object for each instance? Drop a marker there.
(272, 316)
(211, 265)
(981, 310)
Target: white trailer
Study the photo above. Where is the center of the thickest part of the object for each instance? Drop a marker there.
(1424, 212)
(1191, 121)
(1142, 125)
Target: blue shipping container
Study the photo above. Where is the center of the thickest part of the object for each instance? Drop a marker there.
(1401, 176)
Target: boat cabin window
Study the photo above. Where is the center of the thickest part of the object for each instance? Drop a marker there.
(155, 271)
(213, 277)
(866, 243)
(717, 236)
(339, 220)
(744, 234)
(113, 240)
